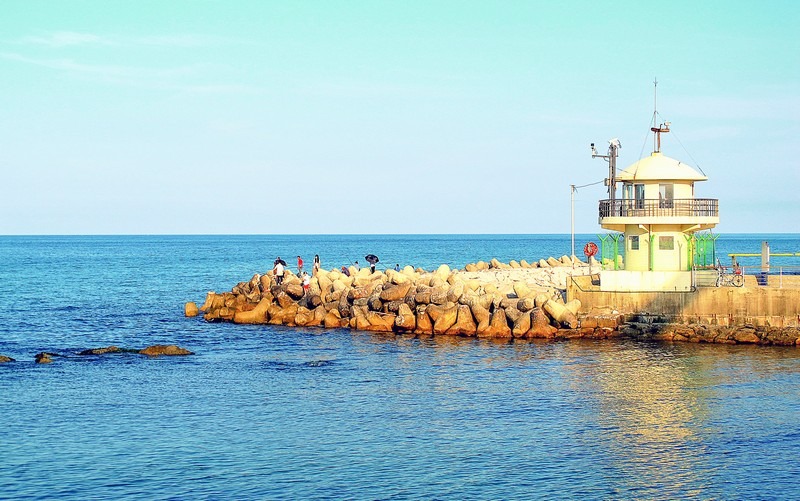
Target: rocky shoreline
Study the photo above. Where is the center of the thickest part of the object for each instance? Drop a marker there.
(516, 300)
(706, 333)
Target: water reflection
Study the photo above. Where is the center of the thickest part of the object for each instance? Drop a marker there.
(647, 414)
(647, 419)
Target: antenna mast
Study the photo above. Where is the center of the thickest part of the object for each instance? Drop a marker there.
(655, 99)
(664, 127)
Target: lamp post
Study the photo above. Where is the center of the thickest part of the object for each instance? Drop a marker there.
(572, 220)
(572, 189)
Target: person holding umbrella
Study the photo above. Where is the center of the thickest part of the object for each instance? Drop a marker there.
(372, 259)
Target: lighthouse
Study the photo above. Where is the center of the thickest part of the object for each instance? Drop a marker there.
(658, 215)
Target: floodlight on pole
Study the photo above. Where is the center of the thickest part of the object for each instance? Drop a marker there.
(614, 145)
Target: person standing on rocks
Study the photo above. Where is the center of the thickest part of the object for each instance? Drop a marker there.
(315, 268)
(278, 271)
(299, 265)
(306, 282)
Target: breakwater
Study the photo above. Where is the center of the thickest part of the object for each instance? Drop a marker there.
(491, 300)
(486, 299)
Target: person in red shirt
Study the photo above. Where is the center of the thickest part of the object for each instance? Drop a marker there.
(299, 265)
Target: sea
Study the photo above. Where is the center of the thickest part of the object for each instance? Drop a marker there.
(270, 412)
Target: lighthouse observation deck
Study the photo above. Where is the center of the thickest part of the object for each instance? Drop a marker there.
(659, 211)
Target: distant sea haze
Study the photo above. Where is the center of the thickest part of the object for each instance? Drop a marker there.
(269, 412)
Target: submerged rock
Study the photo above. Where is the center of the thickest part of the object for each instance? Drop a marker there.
(165, 349)
(101, 351)
(45, 357)
(4, 359)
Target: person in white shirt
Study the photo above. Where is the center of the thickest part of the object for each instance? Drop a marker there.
(279, 271)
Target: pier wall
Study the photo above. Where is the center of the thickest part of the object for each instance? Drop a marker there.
(726, 306)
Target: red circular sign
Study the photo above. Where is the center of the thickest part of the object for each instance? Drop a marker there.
(590, 249)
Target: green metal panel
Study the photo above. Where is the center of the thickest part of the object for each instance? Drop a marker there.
(705, 249)
(691, 244)
(609, 249)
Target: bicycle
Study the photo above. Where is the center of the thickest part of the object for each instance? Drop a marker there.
(725, 279)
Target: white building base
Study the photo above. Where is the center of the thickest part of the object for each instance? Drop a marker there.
(645, 281)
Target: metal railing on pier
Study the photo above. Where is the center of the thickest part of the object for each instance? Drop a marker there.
(777, 276)
(790, 267)
(779, 272)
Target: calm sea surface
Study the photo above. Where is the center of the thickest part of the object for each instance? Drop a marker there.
(263, 412)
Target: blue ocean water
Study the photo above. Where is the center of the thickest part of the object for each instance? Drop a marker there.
(265, 412)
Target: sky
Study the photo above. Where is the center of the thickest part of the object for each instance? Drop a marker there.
(373, 117)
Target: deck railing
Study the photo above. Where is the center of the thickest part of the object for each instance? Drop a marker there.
(678, 207)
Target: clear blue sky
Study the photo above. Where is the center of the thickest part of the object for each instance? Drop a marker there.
(385, 117)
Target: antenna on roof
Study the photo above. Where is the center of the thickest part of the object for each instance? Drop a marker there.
(655, 99)
(664, 127)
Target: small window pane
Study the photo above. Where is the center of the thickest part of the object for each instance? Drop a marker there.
(634, 242)
(639, 195)
(666, 243)
(665, 195)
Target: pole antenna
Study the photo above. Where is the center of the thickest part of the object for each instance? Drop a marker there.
(664, 127)
(655, 99)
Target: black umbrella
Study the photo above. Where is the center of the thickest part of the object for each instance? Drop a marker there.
(371, 258)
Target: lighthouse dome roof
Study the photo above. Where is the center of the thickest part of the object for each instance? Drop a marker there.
(658, 167)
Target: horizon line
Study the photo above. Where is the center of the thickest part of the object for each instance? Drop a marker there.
(333, 234)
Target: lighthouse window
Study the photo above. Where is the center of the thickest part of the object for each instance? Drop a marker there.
(627, 191)
(634, 242)
(665, 195)
(666, 243)
(639, 195)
